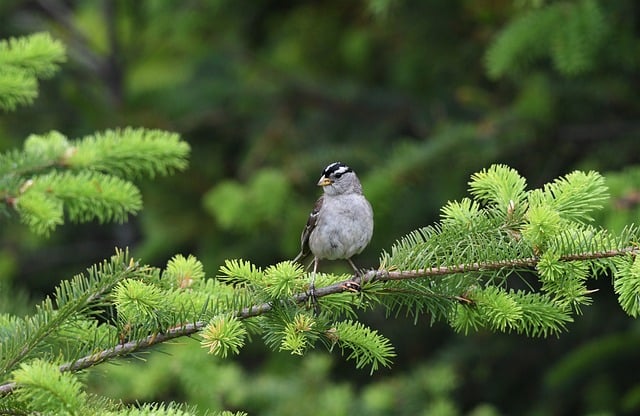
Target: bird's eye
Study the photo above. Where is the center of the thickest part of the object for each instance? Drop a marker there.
(338, 175)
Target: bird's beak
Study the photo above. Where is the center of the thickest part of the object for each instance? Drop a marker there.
(324, 181)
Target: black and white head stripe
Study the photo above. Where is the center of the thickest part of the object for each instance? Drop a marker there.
(336, 169)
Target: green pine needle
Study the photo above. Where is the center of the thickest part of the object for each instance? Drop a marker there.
(138, 302)
(238, 271)
(284, 279)
(130, 153)
(22, 61)
(223, 335)
(44, 389)
(366, 346)
(85, 196)
(184, 272)
(499, 185)
(627, 285)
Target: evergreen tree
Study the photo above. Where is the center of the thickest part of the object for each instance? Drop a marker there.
(510, 258)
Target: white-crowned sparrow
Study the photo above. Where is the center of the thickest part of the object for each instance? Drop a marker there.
(341, 223)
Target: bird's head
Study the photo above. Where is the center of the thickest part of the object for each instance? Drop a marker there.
(338, 178)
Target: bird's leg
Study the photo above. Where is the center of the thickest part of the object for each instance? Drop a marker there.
(353, 266)
(356, 277)
(312, 286)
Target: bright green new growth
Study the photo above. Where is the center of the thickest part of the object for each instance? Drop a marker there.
(291, 326)
(507, 232)
(499, 185)
(366, 346)
(137, 302)
(223, 335)
(627, 285)
(39, 380)
(294, 339)
(184, 271)
(87, 178)
(22, 62)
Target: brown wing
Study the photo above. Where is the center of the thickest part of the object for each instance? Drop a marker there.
(311, 224)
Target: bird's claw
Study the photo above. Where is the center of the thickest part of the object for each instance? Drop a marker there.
(313, 299)
(352, 286)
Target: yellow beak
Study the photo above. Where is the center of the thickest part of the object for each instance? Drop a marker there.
(324, 181)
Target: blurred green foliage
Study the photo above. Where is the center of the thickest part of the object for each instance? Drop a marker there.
(415, 96)
(287, 385)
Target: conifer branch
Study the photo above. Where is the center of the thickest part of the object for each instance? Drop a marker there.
(87, 179)
(24, 60)
(349, 285)
(382, 275)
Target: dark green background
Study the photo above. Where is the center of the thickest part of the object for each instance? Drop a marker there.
(267, 93)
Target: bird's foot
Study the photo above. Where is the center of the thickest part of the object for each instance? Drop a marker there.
(313, 299)
(358, 275)
(352, 286)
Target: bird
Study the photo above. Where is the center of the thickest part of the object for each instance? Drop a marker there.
(341, 222)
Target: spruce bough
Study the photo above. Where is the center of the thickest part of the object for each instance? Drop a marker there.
(459, 271)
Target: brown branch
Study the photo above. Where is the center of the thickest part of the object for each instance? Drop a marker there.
(379, 275)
